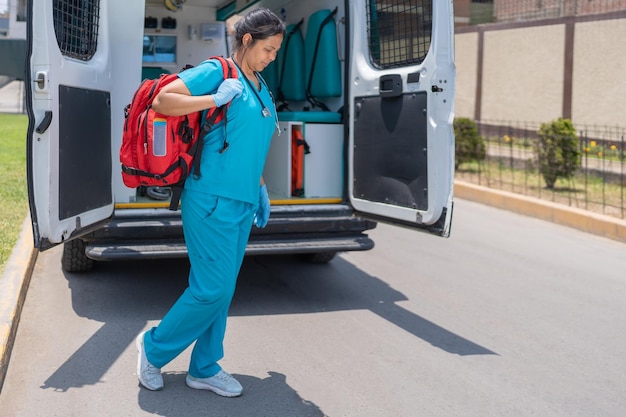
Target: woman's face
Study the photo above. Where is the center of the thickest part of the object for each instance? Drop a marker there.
(263, 52)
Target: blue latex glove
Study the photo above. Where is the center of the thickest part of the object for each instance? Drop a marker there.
(228, 90)
(262, 214)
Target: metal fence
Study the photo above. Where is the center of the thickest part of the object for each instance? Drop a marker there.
(598, 185)
(495, 11)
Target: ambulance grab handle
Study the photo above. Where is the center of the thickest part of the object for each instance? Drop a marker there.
(45, 123)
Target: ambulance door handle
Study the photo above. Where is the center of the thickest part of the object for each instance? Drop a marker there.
(45, 123)
(390, 85)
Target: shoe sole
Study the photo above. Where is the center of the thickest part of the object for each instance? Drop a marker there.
(139, 344)
(199, 385)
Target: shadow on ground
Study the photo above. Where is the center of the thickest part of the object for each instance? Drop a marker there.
(124, 296)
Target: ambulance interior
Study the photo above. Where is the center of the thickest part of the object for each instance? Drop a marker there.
(306, 159)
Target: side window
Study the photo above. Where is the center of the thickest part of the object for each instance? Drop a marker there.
(159, 48)
(399, 32)
(76, 27)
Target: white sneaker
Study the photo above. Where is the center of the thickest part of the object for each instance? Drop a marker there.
(148, 374)
(222, 384)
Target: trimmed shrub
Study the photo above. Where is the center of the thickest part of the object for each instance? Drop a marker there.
(469, 145)
(557, 151)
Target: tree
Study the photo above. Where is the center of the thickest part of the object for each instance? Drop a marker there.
(557, 151)
(469, 145)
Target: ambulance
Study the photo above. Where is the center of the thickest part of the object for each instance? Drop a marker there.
(365, 94)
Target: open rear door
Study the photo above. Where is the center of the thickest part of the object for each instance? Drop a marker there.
(401, 92)
(70, 78)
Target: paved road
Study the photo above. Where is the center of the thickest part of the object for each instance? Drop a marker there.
(511, 316)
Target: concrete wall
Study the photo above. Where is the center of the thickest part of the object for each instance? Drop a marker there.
(17, 28)
(599, 73)
(523, 74)
(512, 10)
(536, 71)
(466, 60)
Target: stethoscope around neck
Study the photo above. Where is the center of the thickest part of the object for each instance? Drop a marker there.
(265, 112)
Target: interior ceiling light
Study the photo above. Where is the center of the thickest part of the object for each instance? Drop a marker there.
(173, 5)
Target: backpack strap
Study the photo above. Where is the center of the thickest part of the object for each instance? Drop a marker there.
(229, 72)
(177, 191)
(212, 116)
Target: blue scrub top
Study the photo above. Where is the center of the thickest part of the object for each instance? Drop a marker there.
(236, 172)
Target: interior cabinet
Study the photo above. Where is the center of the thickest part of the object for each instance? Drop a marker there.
(323, 166)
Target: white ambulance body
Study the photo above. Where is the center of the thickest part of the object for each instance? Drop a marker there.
(376, 113)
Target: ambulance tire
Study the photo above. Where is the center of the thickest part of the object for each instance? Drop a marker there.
(74, 258)
(320, 257)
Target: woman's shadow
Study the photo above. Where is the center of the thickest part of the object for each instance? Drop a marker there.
(263, 397)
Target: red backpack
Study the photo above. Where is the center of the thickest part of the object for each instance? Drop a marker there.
(160, 150)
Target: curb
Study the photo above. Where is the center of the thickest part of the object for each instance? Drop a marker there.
(597, 224)
(13, 286)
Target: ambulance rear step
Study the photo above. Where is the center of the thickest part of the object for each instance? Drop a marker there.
(155, 250)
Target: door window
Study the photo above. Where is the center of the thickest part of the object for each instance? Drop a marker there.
(399, 32)
(76, 27)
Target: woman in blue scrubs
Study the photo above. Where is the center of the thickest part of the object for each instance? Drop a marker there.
(218, 207)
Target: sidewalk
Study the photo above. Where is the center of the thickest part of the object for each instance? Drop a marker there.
(12, 97)
(13, 287)
(4, 80)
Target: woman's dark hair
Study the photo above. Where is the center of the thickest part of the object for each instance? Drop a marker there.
(260, 23)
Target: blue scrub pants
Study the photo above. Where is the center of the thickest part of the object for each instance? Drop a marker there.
(216, 233)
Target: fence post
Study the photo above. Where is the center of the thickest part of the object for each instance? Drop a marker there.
(585, 170)
(604, 174)
(622, 183)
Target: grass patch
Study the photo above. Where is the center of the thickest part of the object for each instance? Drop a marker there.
(13, 188)
(588, 192)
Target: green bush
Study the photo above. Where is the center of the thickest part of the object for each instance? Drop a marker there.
(557, 151)
(469, 145)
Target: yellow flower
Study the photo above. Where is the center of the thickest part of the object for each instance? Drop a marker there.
(600, 154)
(593, 143)
(507, 138)
(586, 149)
(613, 147)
